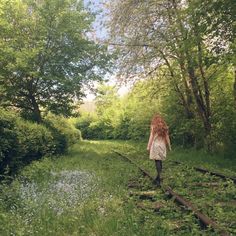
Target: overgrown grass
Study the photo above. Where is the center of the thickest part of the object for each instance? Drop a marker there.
(217, 200)
(86, 193)
(192, 157)
(215, 162)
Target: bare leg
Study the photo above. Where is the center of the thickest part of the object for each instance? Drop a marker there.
(159, 169)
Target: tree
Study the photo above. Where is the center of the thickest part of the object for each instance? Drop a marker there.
(46, 55)
(105, 98)
(220, 24)
(169, 37)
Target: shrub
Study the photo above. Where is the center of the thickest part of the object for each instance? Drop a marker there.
(35, 141)
(9, 142)
(88, 129)
(64, 133)
(23, 142)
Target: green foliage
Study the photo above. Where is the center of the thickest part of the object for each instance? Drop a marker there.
(64, 133)
(9, 142)
(188, 47)
(224, 116)
(93, 128)
(46, 55)
(104, 122)
(83, 124)
(75, 195)
(23, 142)
(129, 117)
(37, 170)
(115, 118)
(35, 141)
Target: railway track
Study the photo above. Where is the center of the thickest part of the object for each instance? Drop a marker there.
(205, 171)
(204, 220)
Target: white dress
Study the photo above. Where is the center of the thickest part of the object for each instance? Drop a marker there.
(158, 149)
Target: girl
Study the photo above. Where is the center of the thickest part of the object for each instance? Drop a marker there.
(158, 141)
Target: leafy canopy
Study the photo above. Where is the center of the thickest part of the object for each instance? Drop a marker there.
(46, 55)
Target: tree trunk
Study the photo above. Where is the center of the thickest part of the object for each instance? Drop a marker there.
(234, 87)
(183, 99)
(186, 101)
(203, 111)
(36, 110)
(181, 58)
(202, 101)
(206, 94)
(188, 93)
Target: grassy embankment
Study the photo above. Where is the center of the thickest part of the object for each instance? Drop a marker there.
(86, 193)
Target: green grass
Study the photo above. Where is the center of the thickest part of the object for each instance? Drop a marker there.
(86, 193)
(218, 202)
(191, 157)
(213, 162)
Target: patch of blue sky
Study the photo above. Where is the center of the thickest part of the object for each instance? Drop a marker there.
(98, 8)
(101, 34)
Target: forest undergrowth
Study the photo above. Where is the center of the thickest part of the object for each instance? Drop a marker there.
(86, 193)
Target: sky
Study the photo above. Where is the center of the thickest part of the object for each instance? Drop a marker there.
(101, 33)
(97, 6)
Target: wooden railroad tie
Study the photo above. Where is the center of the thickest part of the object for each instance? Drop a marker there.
(203, 218)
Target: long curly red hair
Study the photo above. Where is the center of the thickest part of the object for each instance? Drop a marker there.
(159, 126)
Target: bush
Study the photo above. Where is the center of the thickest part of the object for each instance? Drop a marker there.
(35, 141)
(89, 127)
(23, 142)
(64, 133)
(9, 144)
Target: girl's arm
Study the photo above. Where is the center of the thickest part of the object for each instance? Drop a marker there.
(150, 140)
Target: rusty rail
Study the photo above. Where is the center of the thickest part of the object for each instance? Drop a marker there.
(202, 170)
(205, 220)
